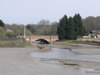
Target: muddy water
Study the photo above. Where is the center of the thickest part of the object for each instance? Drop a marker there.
(57, 53)
(66, 54)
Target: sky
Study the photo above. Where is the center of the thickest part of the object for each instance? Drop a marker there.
(32, 11)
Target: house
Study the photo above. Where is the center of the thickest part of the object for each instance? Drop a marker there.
(97, 32)
(93, 34)
(9, 30)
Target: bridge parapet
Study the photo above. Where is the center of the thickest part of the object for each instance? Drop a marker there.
(34, 38)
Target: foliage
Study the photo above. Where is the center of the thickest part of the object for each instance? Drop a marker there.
(31, 27)
(91, 23)
(16, 30)
(44, 22)
(70, 28)
(53, 28)
(11, 34)
(2, 32)
(43, 29)
(62, 28)
(78, 25)
(71, 33)
(18, 43)
(2, 23)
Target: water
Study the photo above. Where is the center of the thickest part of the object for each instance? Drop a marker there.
(57, 53)
(66, 54)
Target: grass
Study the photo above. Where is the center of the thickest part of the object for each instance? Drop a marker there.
(79, 41)
(18, 43)
(88, 42)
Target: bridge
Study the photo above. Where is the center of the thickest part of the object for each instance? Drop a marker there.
(48, 38)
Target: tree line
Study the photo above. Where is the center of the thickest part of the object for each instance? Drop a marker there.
(66, 28)
(91, 23)
(11, 31)
(70, 28)
(44, 27)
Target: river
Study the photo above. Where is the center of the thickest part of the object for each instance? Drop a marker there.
(67, 54)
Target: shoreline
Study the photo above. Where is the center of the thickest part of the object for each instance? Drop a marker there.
(18, 61)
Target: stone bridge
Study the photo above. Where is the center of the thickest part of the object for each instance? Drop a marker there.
(34, 38)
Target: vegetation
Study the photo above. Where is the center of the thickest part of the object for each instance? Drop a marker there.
(91, 23)
(62, 27)
(18, 43)
(87, 42)
(77, 43)
(70, 28)
(2, 23)
(43, 28)
(2, 32)
(71, 32)
(78, 24)
(16, 30)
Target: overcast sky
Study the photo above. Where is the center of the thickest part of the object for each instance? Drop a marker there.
(32, 11)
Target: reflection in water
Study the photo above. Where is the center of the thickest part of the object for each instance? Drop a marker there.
(58, 53)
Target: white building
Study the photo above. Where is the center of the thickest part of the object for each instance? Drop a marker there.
(93, 34)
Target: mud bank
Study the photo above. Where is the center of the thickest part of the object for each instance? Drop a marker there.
(18, 61)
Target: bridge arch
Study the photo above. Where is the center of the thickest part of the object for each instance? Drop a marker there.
(33, 38)
(43, 41)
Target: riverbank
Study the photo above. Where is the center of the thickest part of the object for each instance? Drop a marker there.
(16, 43)
(78, 47)
(18, 61)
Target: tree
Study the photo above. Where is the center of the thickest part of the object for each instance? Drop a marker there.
(89, 23)
(70, 28)
(61, 30)
(78, 25)
(71, 33)
(15, 30)
(2, 23)
(31, 27)
(2, 33)
(43, 29)
(97, 26)
(44, 22)
(10, 34)
(54, 28)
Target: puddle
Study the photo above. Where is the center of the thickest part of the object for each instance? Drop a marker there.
(58, 53)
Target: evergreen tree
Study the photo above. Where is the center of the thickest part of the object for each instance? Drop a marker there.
(78, 25)
(1, 23)
(71, 29)
(61, 31)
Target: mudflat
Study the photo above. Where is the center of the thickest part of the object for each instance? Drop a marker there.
(18, 61)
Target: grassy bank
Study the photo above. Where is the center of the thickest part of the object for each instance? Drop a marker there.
(87, 42)
(71, 42)
(17, 43)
